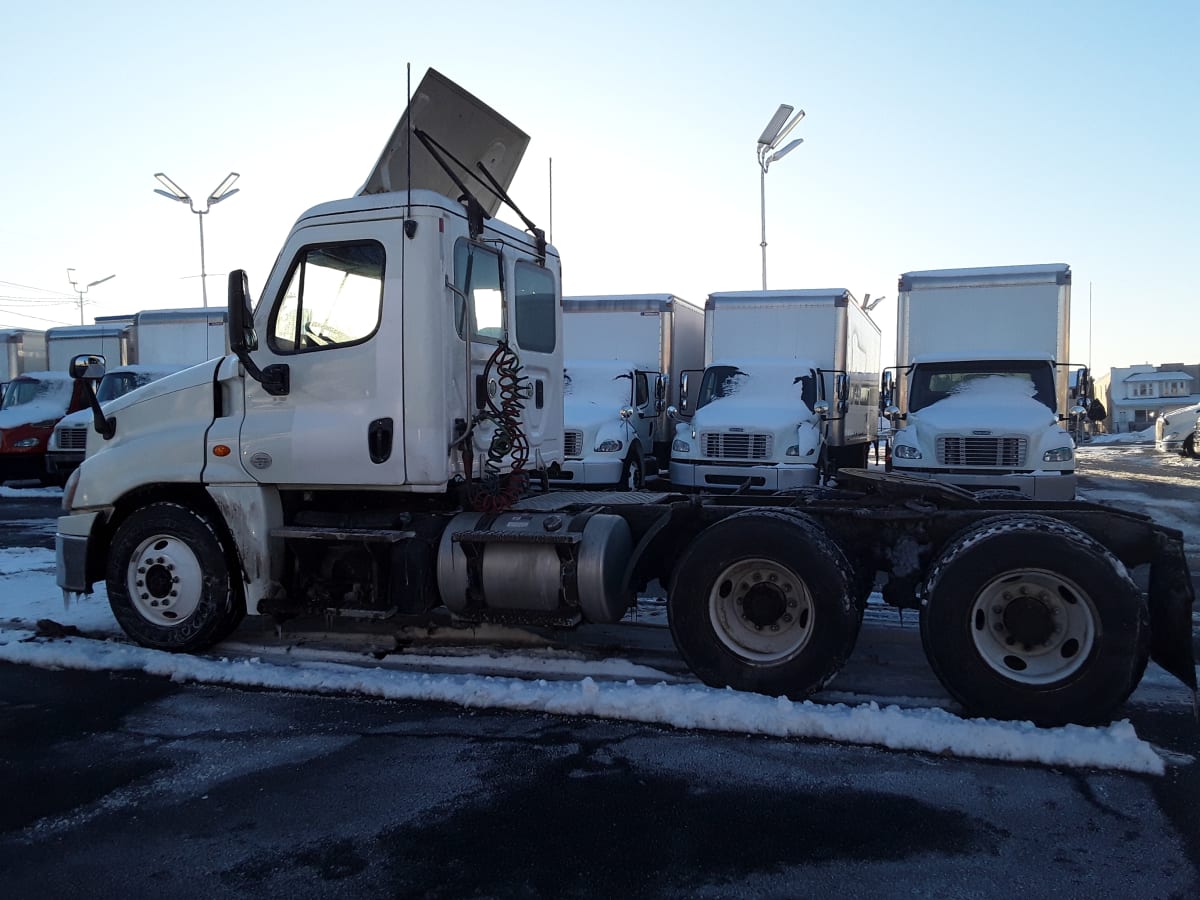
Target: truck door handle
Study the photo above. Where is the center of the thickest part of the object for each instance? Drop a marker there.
(379, 440)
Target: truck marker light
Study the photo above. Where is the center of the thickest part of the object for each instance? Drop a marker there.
(221, 450)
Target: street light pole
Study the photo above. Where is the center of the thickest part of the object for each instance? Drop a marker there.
(83, 290)
(222, 191)
(777, 129)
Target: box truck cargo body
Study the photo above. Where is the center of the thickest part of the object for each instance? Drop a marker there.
(68, 341)
(982, 387)
(789, 392)
(623, 356)
(24, 351)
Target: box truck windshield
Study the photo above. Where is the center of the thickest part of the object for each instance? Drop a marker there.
(933, 382)
(763, 384)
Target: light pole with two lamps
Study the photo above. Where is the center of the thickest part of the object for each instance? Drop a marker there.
(777, 129)
(83, 290)
(222, 191)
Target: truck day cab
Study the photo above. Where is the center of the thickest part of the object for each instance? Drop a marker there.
(364, 452)
(982, 390)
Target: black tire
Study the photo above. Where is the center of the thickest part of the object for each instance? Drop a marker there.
(764, 601)
(1189, 447)
(1025, 617)
(633, 471)
(170, 584)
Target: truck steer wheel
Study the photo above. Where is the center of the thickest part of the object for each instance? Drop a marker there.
(1189, 447)
(764, 601)
(633, 472)
(169, 583)
(1025, 617)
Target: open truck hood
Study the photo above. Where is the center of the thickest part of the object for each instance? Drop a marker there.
(468, 129)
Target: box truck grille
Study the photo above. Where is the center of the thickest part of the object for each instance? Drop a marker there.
(734, 445)
(72, 438)
(1005, 453)
(573, 443)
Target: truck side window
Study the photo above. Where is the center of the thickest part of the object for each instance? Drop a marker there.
(477, 273)
(535, 308)
(641, 390)
(333, 298)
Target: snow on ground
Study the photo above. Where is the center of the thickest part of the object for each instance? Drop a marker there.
(575, 686)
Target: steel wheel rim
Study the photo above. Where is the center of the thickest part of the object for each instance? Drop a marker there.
(1034, 627)
(761, 611)
(165, 580)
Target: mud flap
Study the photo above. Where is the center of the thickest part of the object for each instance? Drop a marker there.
(1171, 599)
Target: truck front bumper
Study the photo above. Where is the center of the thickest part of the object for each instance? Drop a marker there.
(63, 462)
(71, 551)
(1035, 485)
(709, 476)
(577, 471)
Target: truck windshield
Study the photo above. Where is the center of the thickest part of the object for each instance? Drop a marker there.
(118, 384)
(18, 393)
(765, 384)
(931, 382)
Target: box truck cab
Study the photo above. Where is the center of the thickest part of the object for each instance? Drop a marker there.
(982, 391)
(623, 354)
(789, 394)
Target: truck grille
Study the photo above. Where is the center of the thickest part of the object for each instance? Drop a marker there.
(72, 438)
(734, 445)
(1004, 453)
(573, 443)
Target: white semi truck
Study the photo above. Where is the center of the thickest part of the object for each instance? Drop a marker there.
(623, 355)
(789, 393)
(982, 392)
(364, 451)
(157, 343)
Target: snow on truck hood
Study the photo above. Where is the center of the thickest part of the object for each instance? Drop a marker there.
(760, 396)
(995, 402)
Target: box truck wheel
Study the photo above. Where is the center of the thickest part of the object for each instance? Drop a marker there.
(1189, 447)
(1025, 617)
(764, 601)
(170, 585)
(633, 472)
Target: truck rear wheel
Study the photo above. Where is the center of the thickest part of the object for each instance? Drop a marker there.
(764, 601)
(170, 585)
(1025, 617)
(1189, 447)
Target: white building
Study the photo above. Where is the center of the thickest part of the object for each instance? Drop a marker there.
(1135, 396)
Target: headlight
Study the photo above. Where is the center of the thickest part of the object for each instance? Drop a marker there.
(903, 451)
(1059, 454)
(609, 446)
(26, 443)
(678, 446)
(793, 450)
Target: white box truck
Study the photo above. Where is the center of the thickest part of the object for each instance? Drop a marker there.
(788, 395)
(24, 351)
(981, 394)
(68, 341)
(623, 356)
(363, 452)
(158, 342)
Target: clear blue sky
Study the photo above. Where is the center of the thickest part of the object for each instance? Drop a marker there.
(938, 134)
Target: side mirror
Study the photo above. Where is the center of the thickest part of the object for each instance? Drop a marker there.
(275, 378)
(673, 412)
(90, 367)
(821, 408)
(241, 318)
(685, 404)
(626, 413)
(885, 388)
(87, 365)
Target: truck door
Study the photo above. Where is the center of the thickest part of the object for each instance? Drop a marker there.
(645, 408)
(342, 421)
(518, 299)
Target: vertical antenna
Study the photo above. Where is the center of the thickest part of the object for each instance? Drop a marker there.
(408, 137)
(551, 174)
